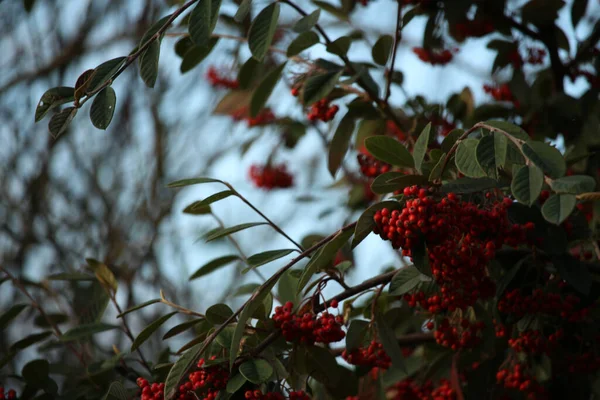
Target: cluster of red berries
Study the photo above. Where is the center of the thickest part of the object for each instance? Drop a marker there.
(585, 363)
(394, 131)
(474, 28)
(321, 110)
(218, 81)
(518, 304)
(501, 93)
(535, 56)
(269, 177)
(462, 335)
(439, 57)
(372, 356)
(308, 328)
(517, 378)
(371, 167)
(444, 127)
(534, 342)
(264, 117)
(153, 391)
(258, 395)
(409, 389)
(461, 237)
(10, 394)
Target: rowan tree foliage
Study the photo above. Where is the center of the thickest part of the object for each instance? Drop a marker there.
(492, 209)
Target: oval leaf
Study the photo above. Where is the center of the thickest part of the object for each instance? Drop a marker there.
(196, 55)
(339, 144)
(527, 184)
(60, 121)
(546, 157)
(148, 62)
(264, 90)
(308, 22)
(266, 257)
(203, 20)
(319, 86)
(302, 42)
(389, 341)
(404, 280)
(263, 30)
(177, 329)
(218, 314)
(105, 72)
(149, 330)
(389, 150)
(213, 265)
(103, 108)
(219, 233)
(11, 314)
(420, 148)
(469, 185)
(180, 368)
(558, 207)
(53, 98)
(574, 184)
(256, 371)
(466, 159)
(382, 49)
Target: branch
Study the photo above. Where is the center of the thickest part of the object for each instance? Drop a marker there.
(397, 34)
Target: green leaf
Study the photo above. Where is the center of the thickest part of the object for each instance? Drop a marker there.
(302, 42)
(391, 181)
(263, 30)
(389, 150)
(450, 139)
(218, 314)
(319, 86)
(322, 365)
(36, 372)
(116, 391)
(105, 72)
(183, 45)
(365, 223)
(340, 143)
(196, 55)
(213, 265)
(55, 319)
(184, 326)
(249, 309)
(512, 129)
(382, 49)
(421, 259)
(558, 207)
(85, 331)
(308, 22)
(29, 341)
(527, 184)
(323, 257)
(256, 371)
(247, 73)
(574, 184)
(139, 307)
(469, 185)
(153, 30)
(491, 153)
(71, 276)
(266, 257)
(103, 108)
(356, 334)
(148, 63)
(53, 98)
(389, 341)
(420, 148)
(466, 159)
(242, 10)
(574, 272)
(149, 330)
(60, 121)
(235, 383)
(406, 279)
(203, 20)
(180, 368)
(546, 157)
(340, 46)
(264, 90)
(212, 199)
(221, 232)
(192, 181)
(10, 314)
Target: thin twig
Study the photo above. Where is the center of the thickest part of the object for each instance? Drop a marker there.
(181, 309)
(397, 34)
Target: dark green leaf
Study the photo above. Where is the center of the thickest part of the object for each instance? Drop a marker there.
(221, 232)
(263, 30)
(339, 144)
(177, 329)
(469, 185)
(558, 207)
(213, 265)
(323, 257)
(248, 73)
(308, 22)
(203, 20)
(322, 365)
(527, 184)
(578, 11)
(421, 259)
(356, 334)
(60, 121)
(389, 150)
(153, 30)
(404, 280)
(149, 330)
(116, 391)
(30, 340)
(340, 46)
(389, 341)
(218, 313)
(382, 49)
(28, 5)
(256, 371)
(139, 307)
(266, 257)
(574, 184)
(105, 72)
(365, 223)
(319, 86)
(53, 98)
(541, 12)
(491, 153)
(302, 42)
(242, 10)
(192, 181)
(512, 129)
(85, 331)
(466, 159)
(103, 108)
(183, 45)
(450, 139)
(235, 383)
(180, 368)
(55, 319)
(10, 314)
(264, 90)
(421, 145)
(71, 276)
(148, 62)
(546, 157)
(246, 289)
(36, 372)
(196, 55)
(394, 180)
